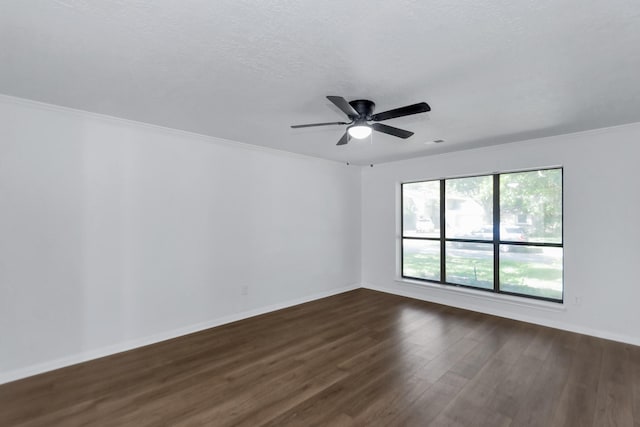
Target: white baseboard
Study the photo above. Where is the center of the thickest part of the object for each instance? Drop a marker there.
(416, 294)
(40, 368)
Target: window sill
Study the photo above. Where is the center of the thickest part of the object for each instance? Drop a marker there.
(486, 296)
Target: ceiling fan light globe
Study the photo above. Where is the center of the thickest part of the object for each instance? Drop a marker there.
(359, 131)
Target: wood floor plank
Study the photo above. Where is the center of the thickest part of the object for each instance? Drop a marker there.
(361, 358)
(614, 405)
(578, 398)
(432, 402)
(389, 403)
(547, 385)
(472, 405)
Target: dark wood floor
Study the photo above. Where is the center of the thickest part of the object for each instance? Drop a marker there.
(359, 358)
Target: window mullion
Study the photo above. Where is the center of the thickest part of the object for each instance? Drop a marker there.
(443, 227)
(496, 232)
(402, 230)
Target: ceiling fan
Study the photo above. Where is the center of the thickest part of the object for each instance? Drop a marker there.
(360, 112)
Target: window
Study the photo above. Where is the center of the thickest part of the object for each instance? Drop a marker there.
(500, 233)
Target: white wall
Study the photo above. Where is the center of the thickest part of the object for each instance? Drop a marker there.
(601, 228)
(115, 234)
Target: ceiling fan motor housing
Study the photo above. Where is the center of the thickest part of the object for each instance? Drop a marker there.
(364, 107)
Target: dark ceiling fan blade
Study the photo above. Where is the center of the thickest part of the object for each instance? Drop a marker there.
(400, 133)
(342, 104)
(421, 107)
(319, 124)
(344, 139)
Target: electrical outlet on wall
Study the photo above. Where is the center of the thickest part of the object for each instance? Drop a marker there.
(244, 290)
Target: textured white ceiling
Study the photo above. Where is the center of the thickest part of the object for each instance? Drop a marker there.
(493, 71)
